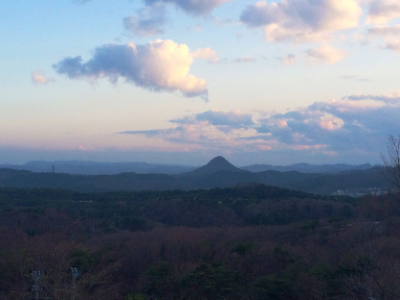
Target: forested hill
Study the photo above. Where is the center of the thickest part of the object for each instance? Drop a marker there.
(312, 182)
(251, 204)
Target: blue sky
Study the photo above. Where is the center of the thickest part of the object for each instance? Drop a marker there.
(181, 81)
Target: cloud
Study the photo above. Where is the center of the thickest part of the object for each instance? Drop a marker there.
(38, 78)
(355, 77)
(385, 30)
(245, 59)
(390, 35)
(225, 22)
(383, 11)
(288, 60)
(196, 28)
(353, 126)
(195, 7)
(327, 54)
(149, 22)
(208, 130)
(302, 20)
(80, 1)
(218, 118)
(206, 54)
(387, 99)
(393, 45)
(355, 122)
(161, 65)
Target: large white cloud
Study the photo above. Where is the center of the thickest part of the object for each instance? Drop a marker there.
(302, 20)
(196, 7)
(162, 65)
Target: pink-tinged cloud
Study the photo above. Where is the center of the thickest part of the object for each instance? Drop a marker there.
(162, 65)
(302, 20)
(326, 54)
(383, 11)
(393, 30)
(334, 128)
(389, 33)
(38, 78)
(206, 54)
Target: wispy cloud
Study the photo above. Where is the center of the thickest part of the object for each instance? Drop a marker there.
(206, 54)
(288, 60)
(194, 7)
(245, 59)
(149, 21)
(355, 78)
(389, 33)
(162, 65)
(218, 118)
(38, 78)
(327, 54)
(393, 99)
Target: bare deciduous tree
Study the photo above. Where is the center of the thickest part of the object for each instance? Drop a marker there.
(391, 161)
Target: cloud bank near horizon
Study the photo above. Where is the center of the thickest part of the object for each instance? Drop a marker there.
(353, 125)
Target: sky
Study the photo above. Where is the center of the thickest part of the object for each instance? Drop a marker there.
(182, 81)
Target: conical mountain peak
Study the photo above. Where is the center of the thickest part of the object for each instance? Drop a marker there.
(216, 164)
(219, 160)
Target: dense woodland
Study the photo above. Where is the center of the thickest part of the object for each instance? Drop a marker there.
(247, 242)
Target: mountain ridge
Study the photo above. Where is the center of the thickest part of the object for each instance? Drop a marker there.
(307, 182)
(113, 168)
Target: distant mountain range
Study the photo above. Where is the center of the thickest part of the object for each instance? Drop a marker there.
(217, 173)
(309, 168)
(99, 168)
(110, 168)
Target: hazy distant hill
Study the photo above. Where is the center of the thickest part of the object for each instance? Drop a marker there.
(100, 168)
(217, 173)
(308, 168)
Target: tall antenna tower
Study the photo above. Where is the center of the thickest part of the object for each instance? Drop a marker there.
(36, 288)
